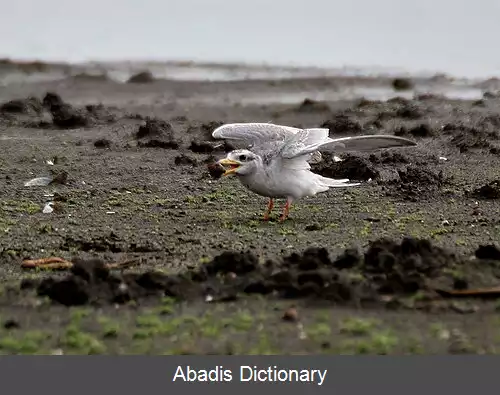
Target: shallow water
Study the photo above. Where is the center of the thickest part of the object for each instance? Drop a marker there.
(356, 93)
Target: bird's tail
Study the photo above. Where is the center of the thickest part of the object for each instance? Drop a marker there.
(344, 182)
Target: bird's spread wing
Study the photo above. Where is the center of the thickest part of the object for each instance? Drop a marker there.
(269, 140)
(305, 141)
(300, 149)
(302, 143)
(254, 135)
(295, 147)
(367, 143)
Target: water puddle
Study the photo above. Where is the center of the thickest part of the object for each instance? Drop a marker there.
(353, 93)
(121, 72)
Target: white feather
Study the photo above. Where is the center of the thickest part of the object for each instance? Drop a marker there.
(286, 153)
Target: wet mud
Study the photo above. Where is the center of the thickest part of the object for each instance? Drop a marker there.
(386, 269)
(137, 180)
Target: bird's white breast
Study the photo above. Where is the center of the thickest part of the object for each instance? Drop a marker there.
(277, 184)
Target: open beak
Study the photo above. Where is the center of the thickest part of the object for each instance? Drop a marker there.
(230, 165)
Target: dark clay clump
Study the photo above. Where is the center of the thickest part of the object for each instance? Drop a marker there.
(342, 124)
(30, 105)
(156, 133)
(488, 191)
(388, 267)
(353, 167)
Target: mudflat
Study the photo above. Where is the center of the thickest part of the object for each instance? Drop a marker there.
(164, 257)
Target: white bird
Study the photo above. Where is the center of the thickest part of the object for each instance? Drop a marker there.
(275, 160)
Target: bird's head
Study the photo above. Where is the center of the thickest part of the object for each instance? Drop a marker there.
(239, 162)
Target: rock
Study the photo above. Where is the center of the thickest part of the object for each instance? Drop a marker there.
(102, 143)
(291, 315)
(144, 77)
(401, 84)
(488, 191)
(156, 133)
(488, 252)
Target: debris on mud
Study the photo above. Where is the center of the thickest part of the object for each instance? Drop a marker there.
(156, 133)
(56, 178)
(387, 268)
(290, 315)
(488, 191)
(56, 263)
(38, 182)
(483, 293)
(215, 170)
(48, 208)
(143, 77)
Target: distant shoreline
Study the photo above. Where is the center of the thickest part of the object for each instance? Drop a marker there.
(348, 70)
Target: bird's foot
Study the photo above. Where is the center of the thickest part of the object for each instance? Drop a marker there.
(286, 211)
(269, 209)
(283, 217)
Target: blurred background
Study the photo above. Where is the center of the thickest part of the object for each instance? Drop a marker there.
(455, 37)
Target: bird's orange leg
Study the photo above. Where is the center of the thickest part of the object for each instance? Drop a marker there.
(286, 210)
(269, 209)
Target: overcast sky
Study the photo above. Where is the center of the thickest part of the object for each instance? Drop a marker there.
(457, 36)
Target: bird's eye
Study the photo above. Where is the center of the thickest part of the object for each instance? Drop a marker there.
(242, 158)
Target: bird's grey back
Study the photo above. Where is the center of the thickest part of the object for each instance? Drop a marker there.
(268, 150)
(265, 139)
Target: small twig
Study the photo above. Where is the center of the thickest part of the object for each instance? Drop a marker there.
(47, 263)
(56, 263)
(493, 292)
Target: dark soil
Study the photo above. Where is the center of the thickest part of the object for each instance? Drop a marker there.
(368, 269)
(386, 268)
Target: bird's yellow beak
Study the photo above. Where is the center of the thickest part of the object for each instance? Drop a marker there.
(230, 165)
